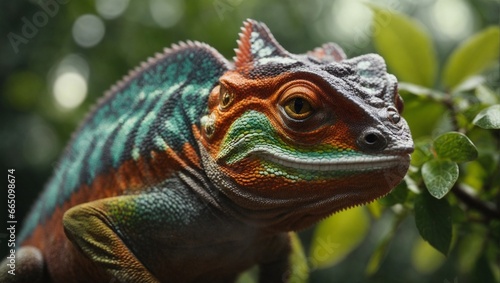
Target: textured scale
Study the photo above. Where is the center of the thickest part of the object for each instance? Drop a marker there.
(152, 110)
(193, 169)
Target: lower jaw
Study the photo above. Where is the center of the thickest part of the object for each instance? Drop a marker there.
(280, 203)
(294, 210)
(303, 217)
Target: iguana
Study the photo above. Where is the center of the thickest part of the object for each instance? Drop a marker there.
(193, 168)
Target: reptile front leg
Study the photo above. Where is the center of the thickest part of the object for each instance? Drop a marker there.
(91, 228)
(164, 234)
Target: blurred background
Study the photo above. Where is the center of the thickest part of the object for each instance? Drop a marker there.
(58, 56)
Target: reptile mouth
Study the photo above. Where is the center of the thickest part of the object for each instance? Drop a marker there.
(357, 163)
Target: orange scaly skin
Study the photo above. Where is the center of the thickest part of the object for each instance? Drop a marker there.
(194, 169)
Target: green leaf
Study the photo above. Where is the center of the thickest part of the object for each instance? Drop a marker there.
(455, 146)
(484, 270)
(469, 84)
(338, 235)
(439, 176)
(299, 269)
(472, 56)
(422, 152)
(406, 47)
(475, 175)
(375, 209)
(421, 91)
(486, 95)
(249, 276)
(489, 118)
(421, 125)
(433, 220)
(378, 255)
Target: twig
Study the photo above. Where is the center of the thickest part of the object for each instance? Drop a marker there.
(485, 208)
(448, 102)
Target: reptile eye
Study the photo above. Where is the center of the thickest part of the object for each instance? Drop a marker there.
(225, 97)
(298, 108)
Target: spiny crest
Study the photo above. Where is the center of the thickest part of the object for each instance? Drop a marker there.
(256, 43)
(257, 46)
(192, 46)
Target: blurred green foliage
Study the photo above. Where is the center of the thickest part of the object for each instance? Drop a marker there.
(447, 66)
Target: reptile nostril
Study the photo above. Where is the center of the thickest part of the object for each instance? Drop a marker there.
(372, 140)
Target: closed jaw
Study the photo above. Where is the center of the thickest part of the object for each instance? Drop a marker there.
(347, 163)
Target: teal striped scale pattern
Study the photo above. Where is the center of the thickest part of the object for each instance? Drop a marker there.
(151, 110)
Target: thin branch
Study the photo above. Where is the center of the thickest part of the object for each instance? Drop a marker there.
(487, 209)
(448, 102)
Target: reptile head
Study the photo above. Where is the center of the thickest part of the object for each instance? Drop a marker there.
(293, 138)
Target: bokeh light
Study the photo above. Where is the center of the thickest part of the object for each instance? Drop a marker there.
(88, 30)
(349, 23)
(73, 63)
(111, 9)
(70, 89)
(452, 19)
(166, 13)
